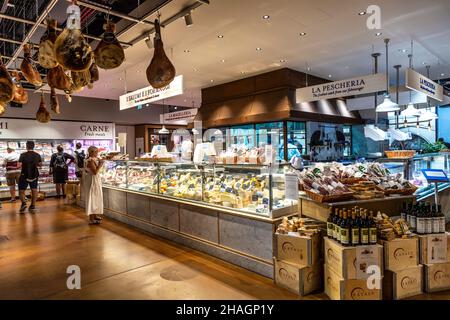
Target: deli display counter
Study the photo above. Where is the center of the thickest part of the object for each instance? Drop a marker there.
(228, 211)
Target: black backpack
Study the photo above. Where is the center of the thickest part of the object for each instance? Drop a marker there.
(80, 156)
(60, 162)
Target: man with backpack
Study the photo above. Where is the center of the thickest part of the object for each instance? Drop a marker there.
(59, 167)
(79, 160)
(29, 163)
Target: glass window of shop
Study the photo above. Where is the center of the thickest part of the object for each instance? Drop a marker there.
(267, 132)
(296, 142)
(242, 135)
(347, 129)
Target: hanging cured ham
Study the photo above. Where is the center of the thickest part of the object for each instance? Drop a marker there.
(7, 87)
(42, 114)
(80, 79)
(71, 49)
(46, 56)
(161, 71)
(2, 108)
(93, 71)
(20, 95)
(109, 53)
(58, 79)
(54, 103)
(29, 71)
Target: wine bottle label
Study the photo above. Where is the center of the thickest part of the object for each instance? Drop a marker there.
(330, 229)
(408, 219)
(413, 220)
(355, 236)
(344, 236)
(420, 225)
(364, 235)
(373, 235)
(338, 234)
(436, 225)
(442, 225)
(428, 225)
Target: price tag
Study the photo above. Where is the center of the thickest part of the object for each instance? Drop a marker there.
(435, 175)
(291, 186)
(437, 248)
(366, 256)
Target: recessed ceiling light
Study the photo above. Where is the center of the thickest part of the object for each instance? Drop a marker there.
(302, 34)
(120, 79)
(187, 51)
(223, 60)
(139, 71)
(362, 13)
(329, 76)
(266, 17)
(403, 50)
(378, 34)
(147, 104)
(220, 36)
(282, 61)
(442, 74)
(243, 72)
(424, 63)
(258, 49)
(175, 108)
(212, 81)
(195, 69)
(309, 68)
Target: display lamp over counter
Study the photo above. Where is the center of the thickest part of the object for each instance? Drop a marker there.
(387, 105)
(428, 115)
(411, 111)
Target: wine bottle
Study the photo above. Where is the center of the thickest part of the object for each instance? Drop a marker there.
(330, 226)
(354, 230)
(435, 219)
(364, 230)
(408, 214)
(404, 213)
(441, 216)
(428, 219)
(338, 226)
(413, 217)
(345, 230)
(373, 230)
(420, 219)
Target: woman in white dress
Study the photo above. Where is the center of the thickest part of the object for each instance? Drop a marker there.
(93, 186)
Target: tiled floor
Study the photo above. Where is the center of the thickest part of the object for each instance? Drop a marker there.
(116, 262)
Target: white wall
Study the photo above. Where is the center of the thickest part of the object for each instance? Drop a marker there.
(131, 140)
(88, 109)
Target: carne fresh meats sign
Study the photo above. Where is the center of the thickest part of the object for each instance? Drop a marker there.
(150, 94)
(55, 130)
(343, 88)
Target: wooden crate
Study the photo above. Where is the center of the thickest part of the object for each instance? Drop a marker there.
(439, 251)
(337, 288)
(302, 251)
(301, 281)
(345, 261)
(437, 277)
(400, 254)
(403, 283)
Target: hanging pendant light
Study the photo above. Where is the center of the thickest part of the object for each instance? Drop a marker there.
(428, 115)
(387, 105)
(410, 111)
(429, 125)
(405, 123)
(163, 130)
(417, 123)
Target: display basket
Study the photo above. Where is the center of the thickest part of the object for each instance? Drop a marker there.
(400, 154)
(335, 198)
(352, 180)
(403, 192)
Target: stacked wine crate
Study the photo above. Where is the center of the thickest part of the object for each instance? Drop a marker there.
(298, 262)
(435, 256)
(348, 269)
(403, 273)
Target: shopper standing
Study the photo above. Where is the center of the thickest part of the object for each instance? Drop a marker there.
(93, 186)
(79, 160)
(29, 162)
(59, 167)
(11, 163)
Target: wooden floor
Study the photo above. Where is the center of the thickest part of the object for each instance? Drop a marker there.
(116, 261)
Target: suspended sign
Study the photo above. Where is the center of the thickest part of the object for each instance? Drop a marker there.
(416, 81)
(185, 115)
(150, 94)
(343, 88)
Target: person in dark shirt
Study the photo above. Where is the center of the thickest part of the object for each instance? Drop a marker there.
(59, 167)
(29, 162)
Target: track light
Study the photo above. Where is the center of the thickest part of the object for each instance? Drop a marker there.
(188, 20)
(149, 42)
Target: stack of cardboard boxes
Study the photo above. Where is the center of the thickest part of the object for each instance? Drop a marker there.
(298, 262)
(435, 256)
(403, 273)
(348, 271)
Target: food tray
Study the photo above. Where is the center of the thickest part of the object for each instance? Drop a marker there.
(321, 198)
(403, 192)
(352, 180)
(156, 159)
(400, 154)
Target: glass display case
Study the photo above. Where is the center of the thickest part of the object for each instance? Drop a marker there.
(251, 189)
(411, 169)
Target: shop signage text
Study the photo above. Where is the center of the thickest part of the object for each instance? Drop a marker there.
(187, 115)
(416, 81)
(31, 129)
(343, 88)
(150, 94)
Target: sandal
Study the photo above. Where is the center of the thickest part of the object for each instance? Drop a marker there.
(94, 222)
